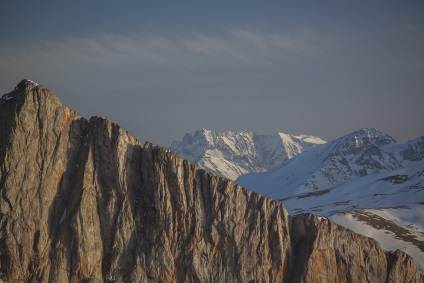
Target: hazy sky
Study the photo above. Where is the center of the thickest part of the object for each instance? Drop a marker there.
(164, 68)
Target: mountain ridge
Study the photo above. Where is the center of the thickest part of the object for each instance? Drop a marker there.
(84, 201)
(357, 180)
(231, 153)
(361, 153)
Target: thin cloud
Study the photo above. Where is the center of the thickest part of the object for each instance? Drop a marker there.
(235, 48)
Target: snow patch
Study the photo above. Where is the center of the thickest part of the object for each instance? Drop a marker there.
(320, 218)
(63, 216)
(32, 82)
(386, 239)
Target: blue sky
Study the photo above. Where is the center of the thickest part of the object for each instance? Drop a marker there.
(164, 68)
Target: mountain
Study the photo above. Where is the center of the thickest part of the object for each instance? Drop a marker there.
(364, 181)
(364, 152)
(84, 201)
(231, 154)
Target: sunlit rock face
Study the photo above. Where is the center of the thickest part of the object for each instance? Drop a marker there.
(84, 201)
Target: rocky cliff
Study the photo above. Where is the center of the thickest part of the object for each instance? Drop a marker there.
(84, 201)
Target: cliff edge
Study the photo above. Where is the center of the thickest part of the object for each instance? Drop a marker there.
(84, 201)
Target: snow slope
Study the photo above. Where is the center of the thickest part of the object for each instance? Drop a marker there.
(231, 154)
(361, 153)
(364, 181)
(398, 228)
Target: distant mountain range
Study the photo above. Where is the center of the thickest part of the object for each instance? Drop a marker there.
(361, 153)
(231, 154)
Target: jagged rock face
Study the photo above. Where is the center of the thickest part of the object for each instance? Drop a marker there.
(84, 201)
(332, 253)
(414, 151)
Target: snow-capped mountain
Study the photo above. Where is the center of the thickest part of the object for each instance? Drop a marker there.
(231, 154)
(364, 181)
(361, 153)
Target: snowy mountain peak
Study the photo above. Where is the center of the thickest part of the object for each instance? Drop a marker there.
(310, 139)
(232, 153)
(367, 136)
(360, 153)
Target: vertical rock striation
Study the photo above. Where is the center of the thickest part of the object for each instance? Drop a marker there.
(327, 252)
(84, 201)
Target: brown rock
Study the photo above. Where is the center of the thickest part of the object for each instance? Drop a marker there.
(84, 201)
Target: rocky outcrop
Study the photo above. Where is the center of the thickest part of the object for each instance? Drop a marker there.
(84, 201)
(326, 252)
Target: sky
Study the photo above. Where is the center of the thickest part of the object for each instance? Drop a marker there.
(161, 69)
